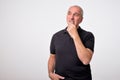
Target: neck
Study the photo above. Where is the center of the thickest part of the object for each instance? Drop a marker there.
(77, 26)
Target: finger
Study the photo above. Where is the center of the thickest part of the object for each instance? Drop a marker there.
(61, 77)
(71, 23)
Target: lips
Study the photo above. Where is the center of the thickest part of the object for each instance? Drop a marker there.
(71, 21)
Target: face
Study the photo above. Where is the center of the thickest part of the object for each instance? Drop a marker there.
(74, 16)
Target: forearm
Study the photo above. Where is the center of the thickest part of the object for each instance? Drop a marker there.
(51, 67)
(84, 54)
(51, 64)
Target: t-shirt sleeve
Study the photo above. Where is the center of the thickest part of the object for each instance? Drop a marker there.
(90, 40)
(52, 46)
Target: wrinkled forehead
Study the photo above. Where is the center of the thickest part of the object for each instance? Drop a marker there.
(75, 9)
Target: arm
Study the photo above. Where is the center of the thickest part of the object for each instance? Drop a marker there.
(84, 54)
(51, 67)
(51, 64)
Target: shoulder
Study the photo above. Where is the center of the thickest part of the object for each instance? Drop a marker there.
(87, 33)
(58, 33)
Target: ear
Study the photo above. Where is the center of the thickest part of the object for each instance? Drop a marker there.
(81, 19)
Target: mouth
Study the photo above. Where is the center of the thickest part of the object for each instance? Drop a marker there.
(71, 21)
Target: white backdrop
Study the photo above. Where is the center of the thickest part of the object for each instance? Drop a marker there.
(26, 28)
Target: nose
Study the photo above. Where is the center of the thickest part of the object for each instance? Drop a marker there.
(72, 17)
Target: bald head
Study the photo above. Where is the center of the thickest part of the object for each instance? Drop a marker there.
(79, 8)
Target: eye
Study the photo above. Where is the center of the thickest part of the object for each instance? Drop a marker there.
(77, 14)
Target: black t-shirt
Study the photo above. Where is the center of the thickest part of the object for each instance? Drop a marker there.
(67, 62)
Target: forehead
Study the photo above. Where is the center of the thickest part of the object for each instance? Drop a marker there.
(74, 9)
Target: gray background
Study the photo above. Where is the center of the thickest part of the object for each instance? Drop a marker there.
(26, 28)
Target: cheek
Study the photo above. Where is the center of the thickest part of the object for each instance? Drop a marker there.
(67, 17)
(67, 20)
(78, 20)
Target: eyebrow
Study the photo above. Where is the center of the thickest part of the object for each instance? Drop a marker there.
(74, 13)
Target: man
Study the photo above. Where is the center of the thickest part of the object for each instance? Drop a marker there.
(71, 50)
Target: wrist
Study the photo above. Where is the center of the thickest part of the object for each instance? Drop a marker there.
(50, 74)
(76, 37)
